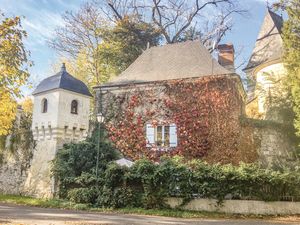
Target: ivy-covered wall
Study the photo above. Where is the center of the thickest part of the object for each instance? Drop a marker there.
(206, 112)
(16, 151)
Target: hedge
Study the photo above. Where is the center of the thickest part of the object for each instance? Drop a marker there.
(147, 184)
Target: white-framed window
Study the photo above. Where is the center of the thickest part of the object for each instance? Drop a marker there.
(161, 135)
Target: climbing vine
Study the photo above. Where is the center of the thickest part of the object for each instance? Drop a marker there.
(205, 110)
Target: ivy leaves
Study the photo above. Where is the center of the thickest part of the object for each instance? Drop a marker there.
(205, 110)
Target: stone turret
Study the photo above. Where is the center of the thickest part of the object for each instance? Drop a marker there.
(265, 67)
(60, 115)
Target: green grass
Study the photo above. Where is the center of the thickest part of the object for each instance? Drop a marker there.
(30, 201)
(63, 204)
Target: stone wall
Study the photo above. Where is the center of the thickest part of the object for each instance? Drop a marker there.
(238, 206)
(276, 147)
(13, 172)
(268, 144)
(39, 182)
(22, 174)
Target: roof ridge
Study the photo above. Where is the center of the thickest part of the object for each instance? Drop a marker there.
(172, 44)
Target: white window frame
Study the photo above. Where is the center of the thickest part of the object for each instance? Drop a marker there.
(151, 135)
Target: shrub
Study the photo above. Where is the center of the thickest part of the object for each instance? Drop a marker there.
(147, 184)
(75, 164)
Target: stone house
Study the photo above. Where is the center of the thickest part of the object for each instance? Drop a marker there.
(176, 99)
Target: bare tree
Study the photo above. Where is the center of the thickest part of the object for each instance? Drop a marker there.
(175, 20)
(82, 33)
(208, 19)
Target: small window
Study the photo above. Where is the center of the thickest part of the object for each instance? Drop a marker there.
(74, 107)
(161, 135)
(44, 105)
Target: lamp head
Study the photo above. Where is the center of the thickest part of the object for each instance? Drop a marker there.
(100, 118)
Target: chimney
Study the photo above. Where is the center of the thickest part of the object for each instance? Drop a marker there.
(226, 56)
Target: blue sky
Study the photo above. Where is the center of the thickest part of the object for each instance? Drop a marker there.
(43, 16)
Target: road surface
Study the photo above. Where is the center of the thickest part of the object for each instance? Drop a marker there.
(15, 214)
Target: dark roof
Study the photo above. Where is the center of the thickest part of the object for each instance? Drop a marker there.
(269, 45)
(62, 80)
(172, 61)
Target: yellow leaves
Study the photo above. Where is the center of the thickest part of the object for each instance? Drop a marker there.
(13, 70)
(27, 105)
(8, 107)
(13, 56)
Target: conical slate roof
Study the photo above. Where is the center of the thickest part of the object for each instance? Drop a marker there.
(62, 80)
(172, 61)
(269, 44)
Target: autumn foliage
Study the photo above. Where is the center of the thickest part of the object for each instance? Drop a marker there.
(205, 110)
(13, 69)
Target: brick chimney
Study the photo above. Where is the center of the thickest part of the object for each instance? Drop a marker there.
(226, 56)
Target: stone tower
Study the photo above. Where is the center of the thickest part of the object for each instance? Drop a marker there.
(265, 67)
(60, 115)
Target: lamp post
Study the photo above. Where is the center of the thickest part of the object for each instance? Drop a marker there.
(100, 120)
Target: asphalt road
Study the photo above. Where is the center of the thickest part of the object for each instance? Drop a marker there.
(14, 214)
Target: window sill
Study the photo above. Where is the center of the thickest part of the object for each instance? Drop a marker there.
(161, 149)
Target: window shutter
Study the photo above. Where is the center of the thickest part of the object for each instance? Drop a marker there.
(173, 135)
(150, 135)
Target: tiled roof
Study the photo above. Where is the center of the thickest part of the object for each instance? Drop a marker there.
(268, 46)
(62, 80)
(172, 61)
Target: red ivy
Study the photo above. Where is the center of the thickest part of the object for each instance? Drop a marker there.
(205, 111)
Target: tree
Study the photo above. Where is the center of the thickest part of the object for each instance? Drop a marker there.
(7, 112)
(179, 20)
(81, 34)
(291, 39)
(99, 48)
(110, 35)
(13, 68)
(126, 41)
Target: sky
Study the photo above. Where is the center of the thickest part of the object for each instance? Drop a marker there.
(41, 17)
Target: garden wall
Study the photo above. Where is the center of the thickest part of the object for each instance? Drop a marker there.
(238, 206)
(268, 142)
(13, 172)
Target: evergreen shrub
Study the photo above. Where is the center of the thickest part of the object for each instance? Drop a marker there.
(146, 184)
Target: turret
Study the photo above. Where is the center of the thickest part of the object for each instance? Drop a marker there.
(61, 108)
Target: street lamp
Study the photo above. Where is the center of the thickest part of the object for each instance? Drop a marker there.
(100, 120)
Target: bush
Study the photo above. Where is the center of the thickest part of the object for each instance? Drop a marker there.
(74, 167)
(82, 195)
(147, 184)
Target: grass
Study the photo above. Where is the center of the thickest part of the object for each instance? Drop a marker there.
(63, 204)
